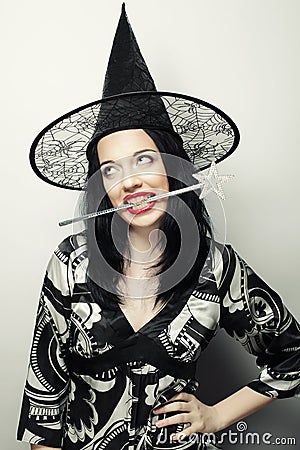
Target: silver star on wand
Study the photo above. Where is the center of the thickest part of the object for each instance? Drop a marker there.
(208, 182)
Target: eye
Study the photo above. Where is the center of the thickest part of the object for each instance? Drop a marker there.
(144, 159)
(108, 171)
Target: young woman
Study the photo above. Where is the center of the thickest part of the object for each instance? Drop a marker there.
(128, 305)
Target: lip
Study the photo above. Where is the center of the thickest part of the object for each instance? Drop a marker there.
(143, 209)
(137, 194)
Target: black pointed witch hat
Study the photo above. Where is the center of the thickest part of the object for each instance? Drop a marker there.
(126, 73)
(58, 155)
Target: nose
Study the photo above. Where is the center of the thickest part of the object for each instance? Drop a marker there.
(131, 182)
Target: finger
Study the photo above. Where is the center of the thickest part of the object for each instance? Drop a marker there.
(184, 396)
(174, 406)
(173, 420)
(183, 434)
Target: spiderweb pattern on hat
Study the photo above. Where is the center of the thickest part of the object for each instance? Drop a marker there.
(59, 153)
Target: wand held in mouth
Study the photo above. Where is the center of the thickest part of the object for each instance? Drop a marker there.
(128, 205)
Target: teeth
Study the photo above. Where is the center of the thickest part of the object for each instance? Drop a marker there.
(138, 200)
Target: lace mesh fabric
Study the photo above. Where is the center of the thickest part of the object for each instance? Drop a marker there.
(58, 155)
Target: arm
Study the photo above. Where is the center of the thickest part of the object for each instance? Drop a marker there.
(238, 406)
(253, 314)
(210, 419)
(36, 447)
(42, 416)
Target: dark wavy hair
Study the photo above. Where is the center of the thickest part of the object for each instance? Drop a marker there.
(104, 251)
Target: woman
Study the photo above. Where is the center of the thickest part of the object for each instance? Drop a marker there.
(129, 386)
(117, 339)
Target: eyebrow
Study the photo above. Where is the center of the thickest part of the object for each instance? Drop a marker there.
(134, 154)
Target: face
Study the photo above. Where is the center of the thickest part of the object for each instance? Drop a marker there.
(132, 169)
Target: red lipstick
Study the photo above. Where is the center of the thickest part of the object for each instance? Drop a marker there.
(142, 209)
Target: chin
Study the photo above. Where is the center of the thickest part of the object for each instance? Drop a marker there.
(147, 219)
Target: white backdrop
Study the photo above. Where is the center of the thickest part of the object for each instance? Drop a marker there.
(240, 55)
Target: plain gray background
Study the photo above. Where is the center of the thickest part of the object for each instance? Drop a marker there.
(242, 56)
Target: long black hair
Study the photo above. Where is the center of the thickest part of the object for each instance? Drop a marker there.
(106, 249)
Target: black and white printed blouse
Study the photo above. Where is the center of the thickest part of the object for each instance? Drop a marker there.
(93, 381)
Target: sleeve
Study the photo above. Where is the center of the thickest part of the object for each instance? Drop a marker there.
(254, 314)
(46, 390)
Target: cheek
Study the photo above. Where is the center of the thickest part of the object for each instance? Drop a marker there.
(167, 187)
(164, 182)
(157, 181)
(113, 195)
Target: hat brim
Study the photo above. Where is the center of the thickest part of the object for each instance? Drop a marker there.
(58, 153)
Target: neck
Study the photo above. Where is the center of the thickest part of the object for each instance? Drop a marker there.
(145, 242)
(146, 248)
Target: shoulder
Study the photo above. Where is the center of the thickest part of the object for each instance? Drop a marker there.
(219, 264)
(223, 268)
(68, 262)
(229, 268)
(72, 245)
